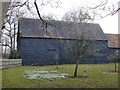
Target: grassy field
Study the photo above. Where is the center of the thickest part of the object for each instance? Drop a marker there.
(89, 76)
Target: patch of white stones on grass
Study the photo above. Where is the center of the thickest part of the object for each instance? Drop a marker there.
(45, 75)
(109, 72)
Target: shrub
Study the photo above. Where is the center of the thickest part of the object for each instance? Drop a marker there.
(14, 55)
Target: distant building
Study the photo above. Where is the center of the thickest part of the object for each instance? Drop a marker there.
(113, 43)
(113, 40)
(40, 46)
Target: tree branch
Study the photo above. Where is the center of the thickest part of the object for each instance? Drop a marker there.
(6, 45)
(100, 5)
(19, 5)
(38, 11)
(114, 12)
(44, 22)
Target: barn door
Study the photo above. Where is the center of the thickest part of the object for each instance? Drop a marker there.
(53, 52)
(53, 55)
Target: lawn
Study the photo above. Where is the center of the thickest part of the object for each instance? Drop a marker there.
(89, 76)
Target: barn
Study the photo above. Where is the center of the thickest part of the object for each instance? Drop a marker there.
(39, 43)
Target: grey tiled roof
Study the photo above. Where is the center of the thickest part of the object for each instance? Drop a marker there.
(59, 29)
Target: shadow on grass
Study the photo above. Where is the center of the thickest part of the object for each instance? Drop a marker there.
(80, 76)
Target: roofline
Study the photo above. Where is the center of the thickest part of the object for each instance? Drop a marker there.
(58, 38)
(114, 47)
(111, 34)
(58, 21)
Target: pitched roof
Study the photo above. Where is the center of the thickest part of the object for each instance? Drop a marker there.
(113, 40)
(59, 29)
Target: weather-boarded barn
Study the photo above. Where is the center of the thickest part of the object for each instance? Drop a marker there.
(40, 43)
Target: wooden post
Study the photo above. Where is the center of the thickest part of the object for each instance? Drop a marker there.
(118, 28)
(118, 19)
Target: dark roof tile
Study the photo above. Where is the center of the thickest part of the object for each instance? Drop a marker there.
(59, 29)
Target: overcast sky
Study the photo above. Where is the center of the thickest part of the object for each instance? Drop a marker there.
(109, 24)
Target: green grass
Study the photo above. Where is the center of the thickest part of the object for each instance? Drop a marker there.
(92, 78)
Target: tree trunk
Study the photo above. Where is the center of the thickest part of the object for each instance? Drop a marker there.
(5, 52)
(76, 68)
(56, 64)
(11, 48)
(115, 66)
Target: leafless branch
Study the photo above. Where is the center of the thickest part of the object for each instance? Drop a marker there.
(114, 12)
(6, 45)
(44, 22)
(38, 11)
(111, 13)
(19, 5)
(103, 3)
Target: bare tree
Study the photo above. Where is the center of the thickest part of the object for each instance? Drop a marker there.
(45, 24)
(5, 47)
(10, 33)
(114, 57)
(104, 8)
(96, 11)
(80, 14)
(45, 17)
(50, 17)
(10, 25)
(80, 47)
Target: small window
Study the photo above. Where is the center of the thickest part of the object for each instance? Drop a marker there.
(51, 49)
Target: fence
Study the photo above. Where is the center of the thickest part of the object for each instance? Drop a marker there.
(6, 63)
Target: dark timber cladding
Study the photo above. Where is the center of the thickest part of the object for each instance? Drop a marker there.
(40, 46)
